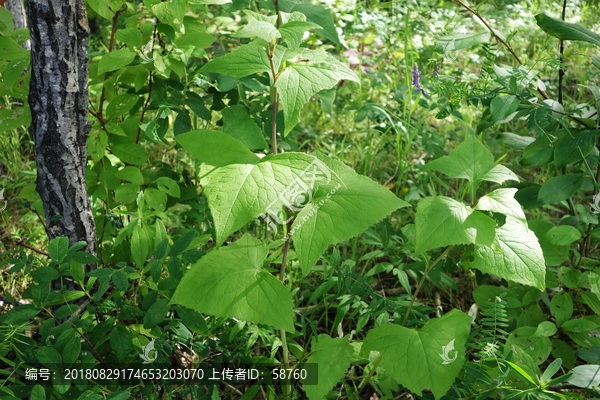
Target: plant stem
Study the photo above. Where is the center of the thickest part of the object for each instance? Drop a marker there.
(423, 281)
(561, 70)
(137, 139)
(364, 382)
(110, 47)
(271, 53)
(284, 347)
(368, 377)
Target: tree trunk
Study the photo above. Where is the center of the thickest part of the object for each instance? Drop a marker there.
(58, 98)
(17, 9)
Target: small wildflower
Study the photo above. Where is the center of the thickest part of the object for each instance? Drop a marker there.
(416, 83)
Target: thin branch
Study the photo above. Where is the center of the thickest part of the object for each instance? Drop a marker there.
(102, 239)
(92, 347)
(110, 47)
(561, 70)
(42, 222)
(32, 248)
(274, 119)
(80, 309)
(137, 139)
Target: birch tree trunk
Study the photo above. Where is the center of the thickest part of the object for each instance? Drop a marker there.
(58, 98)
(17, 9)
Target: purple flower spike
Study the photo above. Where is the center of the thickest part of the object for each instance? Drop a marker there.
(416, 83)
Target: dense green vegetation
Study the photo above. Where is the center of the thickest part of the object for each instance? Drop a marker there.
(397, 198)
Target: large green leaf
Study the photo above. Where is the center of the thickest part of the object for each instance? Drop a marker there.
(538, 347)
(216, 148)
(293, 31)
(440, 221)
(139, 246)
(520, 260)
(502, 106)
(58, 247)
(314, 13)
(431, 357)
(306, 73)
(334, 357)
(115, 60)
(569, 149)
(338, 212)
(560, 188)
(502, 201)
(260, 29)
(473, 161)
(237, 193)
(484, 226)
(121, 341)
(586, 376)
(233, 284)
(248, 59)
(239, 125)
(105, 8)
(130, 153)
(566, 31)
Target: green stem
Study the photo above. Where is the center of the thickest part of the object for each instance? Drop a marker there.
(286, 247)
(368, 377)
(423, 281)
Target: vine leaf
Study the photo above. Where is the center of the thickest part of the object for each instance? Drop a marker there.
(473, 161)
(233, 284)
(306, 73)
(520, 260)
(338, 212)
(429, 366)
(333, 356)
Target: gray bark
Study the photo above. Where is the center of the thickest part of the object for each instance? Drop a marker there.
(58, 98)
(17, 9)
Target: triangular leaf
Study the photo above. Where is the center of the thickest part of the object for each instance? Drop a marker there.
(333, 356)
(239, 125)
(237, 193)
(248, 59)
(431, 357)
(338, 212)
(521, 259)
(233, 284)
(473, 161)
(260, 29)
(440, 222)
(502, 201)
(307, 73)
